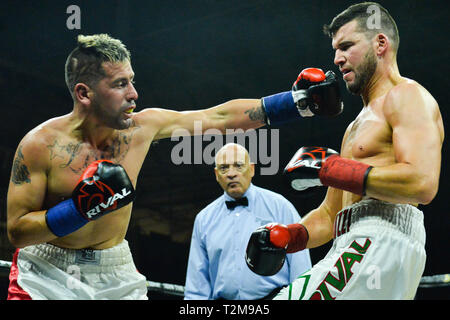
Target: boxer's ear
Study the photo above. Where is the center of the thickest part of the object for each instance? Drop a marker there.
(82, 94)
(382, 43)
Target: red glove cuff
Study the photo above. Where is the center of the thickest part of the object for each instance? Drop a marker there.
(345, 174)
(299, 237)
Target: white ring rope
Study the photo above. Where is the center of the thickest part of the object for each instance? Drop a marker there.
(438, 280)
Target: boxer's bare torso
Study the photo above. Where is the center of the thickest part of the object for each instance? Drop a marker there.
(369, 138)
(65, 155)
(400, 133)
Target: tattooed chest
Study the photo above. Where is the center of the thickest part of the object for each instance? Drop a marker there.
(69, 160)
(76, 156)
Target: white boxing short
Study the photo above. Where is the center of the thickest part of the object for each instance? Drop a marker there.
(378, 252)
(45, 271)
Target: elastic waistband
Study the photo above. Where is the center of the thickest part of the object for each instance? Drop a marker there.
(402, 217)
(62, 257)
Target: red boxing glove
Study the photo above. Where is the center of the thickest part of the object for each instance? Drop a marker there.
(268, 245)
(279, 235)
(103, 187)
(293, 237)
(322, 93)
(313, 93)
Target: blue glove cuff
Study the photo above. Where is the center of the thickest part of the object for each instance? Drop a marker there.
(280, 108)
(64, 218)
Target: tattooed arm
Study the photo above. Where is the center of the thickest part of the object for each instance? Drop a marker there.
(27, 188)
(240, 113)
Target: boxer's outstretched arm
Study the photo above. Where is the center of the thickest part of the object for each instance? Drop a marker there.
(240, 113)
(25, 220)
(314, 92)
(417, 136)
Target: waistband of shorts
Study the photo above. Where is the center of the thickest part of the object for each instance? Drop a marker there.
(402, 217)
(62, 257)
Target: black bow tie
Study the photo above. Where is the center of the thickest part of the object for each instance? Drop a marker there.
(239, 202)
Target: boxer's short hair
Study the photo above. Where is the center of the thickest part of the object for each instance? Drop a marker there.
(362, 13)
(84, 63)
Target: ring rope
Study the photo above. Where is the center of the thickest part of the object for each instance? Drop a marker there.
(435, 281)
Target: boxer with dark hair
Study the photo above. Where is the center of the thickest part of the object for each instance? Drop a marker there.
(389, 163)
(68, 212)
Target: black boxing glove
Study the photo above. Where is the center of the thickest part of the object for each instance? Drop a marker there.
(266, 249)
(317, 166)
(312, 93)
(268, 245)
(321, 98)
(103, 187)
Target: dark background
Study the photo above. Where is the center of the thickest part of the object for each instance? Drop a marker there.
(196, 54)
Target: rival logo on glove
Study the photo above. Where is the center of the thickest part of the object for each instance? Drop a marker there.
(314, 156)
(304, 168)
(92, 195)
(112, 202)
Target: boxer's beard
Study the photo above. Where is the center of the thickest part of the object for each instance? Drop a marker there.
(112, 118)
(363, 73)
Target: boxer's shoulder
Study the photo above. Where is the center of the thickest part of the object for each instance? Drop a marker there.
(49, 129)
(151, 117)
(410, 97)
(34, 145)
(147, 122)
(405, 90)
